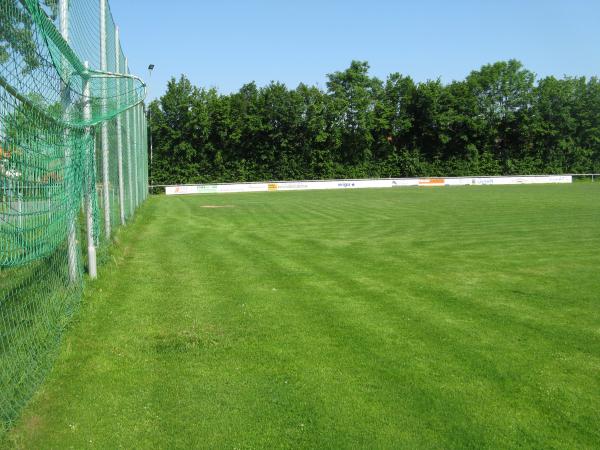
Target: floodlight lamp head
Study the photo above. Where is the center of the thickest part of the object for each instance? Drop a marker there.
(151, 67)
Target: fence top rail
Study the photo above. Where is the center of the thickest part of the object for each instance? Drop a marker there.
(382, 178)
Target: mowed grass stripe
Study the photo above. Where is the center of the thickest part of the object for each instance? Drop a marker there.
(329, 276)
(432, 318)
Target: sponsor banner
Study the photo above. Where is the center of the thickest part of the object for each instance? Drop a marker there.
(561, 179)
(487, 181)
(432, 182)
(497, 181)
(405, 182)
(483, 181)
(294, 186)
(198, 189)
(245, 187)
(458, 182)
(361, 184)
(216, 188)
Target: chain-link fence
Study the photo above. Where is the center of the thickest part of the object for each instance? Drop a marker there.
(73, 168)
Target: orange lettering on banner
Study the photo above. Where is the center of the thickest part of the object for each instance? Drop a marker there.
(272, 187)
(432, 182)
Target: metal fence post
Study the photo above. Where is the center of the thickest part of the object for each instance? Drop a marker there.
(136, 140)
(129, 138)
(145, 152)
(63, 10)
(141, 117)
(119, 132)
(90, 188)
(105, 155)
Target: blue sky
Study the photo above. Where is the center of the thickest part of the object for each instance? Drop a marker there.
(226, 43)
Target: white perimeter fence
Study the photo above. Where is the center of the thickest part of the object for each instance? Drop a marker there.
(275, 186)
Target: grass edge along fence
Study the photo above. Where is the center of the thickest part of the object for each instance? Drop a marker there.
(73, 168)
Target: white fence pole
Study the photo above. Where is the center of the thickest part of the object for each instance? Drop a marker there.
(63, 10)
(129, 146)
(105, 155)
(136, 142)
(119, 133)
(90, 187)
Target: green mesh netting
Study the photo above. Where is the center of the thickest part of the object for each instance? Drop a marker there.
(73, 167)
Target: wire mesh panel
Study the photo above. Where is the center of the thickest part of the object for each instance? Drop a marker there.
(72, 169)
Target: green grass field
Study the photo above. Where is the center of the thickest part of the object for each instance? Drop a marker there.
(412, 318)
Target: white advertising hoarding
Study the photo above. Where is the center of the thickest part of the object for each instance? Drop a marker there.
(361, 184)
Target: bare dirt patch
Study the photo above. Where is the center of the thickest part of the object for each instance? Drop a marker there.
(29, 427)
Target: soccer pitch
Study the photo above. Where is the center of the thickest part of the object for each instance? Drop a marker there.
(417, 318)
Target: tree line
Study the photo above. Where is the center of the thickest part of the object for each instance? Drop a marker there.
(499, 120)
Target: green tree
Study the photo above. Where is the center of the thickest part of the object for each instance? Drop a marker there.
(504, 93)
(392, 123)
(353, 102)
(497, 120)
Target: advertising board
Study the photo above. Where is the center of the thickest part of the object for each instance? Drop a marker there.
(362, 184)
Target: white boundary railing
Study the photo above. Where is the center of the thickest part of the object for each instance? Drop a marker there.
(592, 175)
